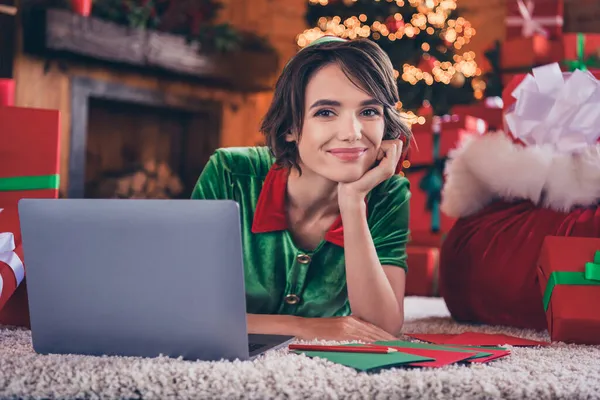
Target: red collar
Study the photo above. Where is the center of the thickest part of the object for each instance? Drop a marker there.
(270, 216)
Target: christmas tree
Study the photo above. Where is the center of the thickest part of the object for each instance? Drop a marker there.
(423, 38)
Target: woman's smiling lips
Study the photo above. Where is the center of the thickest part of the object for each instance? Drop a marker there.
(348, 154)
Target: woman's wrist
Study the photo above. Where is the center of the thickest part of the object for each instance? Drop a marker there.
(352, 207)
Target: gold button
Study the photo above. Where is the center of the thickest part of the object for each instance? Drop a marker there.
(292, 299)
(303, 259)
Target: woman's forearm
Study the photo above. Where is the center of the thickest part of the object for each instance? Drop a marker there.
(370, 293)
(274, 324)
(326, 328)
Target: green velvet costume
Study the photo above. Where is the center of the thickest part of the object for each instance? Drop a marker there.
(280, 277)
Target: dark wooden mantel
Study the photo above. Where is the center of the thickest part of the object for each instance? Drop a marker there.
(61, 33)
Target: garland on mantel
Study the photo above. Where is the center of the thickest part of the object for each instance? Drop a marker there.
(194, 19)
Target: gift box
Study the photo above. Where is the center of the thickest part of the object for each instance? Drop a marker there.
(581, 51)
(12, 270)
(7, 92)
(426, 238)
(453, 129)
(524, 18)
(29, 151)
(569, 276)
(425, 165)
(491, 115)
(422, 278)
(534, 116)
(507, 78)
(29, 168)
(526, 52)
(425, 214)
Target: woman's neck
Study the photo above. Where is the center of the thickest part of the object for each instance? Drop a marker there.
(311, 195)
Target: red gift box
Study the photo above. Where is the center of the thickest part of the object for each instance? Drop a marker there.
(453, 129)
(82, 7)
(426, 238)
(29, 168)
(454, 121)
(7, 92)
(525, 52)
(581, 50)
(423, 271)
(569, 277)
(11, 256)
(526, 17)
(421, 217)
(491, 115)
(507, 79)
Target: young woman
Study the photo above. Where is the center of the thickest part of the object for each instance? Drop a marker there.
(324, 217)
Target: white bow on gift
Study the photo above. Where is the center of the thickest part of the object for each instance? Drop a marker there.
(529, 23)
(557, 109)
(10, 258)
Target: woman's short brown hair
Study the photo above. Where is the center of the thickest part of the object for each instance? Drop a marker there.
(363, 62)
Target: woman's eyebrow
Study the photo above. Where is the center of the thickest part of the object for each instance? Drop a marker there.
(325, 102)
(335, 103)
(370, 102)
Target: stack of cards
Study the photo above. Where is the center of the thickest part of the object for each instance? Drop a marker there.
(466, 348)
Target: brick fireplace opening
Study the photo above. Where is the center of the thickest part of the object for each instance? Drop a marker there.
(128, 142)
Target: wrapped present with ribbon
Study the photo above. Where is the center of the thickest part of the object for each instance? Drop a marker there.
(526, 52)
(426, 238)
(555, 109)
(425, 167)
(569, 277)
(525, 18)
(581, 51)
(29, 154)
(12, 271)
(423, 278)
(533, 34)
(426, 190)
(29, 168)
(452, 129)
(488, 110)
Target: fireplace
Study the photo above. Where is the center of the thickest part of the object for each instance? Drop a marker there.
(128, 142)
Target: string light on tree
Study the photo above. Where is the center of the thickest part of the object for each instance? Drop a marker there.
(423, 38)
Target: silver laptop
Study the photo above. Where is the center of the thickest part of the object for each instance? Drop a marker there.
(138, 278)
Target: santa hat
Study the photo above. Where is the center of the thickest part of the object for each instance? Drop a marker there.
(553, 165)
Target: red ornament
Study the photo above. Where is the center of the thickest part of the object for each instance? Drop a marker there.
(82, 7)
(393, 25)
(7, 92)
(427, 63)
(426, 110)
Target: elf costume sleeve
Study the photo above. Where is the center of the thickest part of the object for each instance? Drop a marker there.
(389, 208)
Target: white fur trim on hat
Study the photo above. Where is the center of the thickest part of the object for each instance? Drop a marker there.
(488, 167)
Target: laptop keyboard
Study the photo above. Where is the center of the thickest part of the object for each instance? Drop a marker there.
(254, 346)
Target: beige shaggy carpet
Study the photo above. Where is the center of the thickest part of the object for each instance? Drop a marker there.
(556, 372)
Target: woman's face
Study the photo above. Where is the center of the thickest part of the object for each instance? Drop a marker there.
(342, 130)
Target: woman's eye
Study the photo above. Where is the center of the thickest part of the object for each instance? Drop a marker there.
(324, 113)
(371, 112)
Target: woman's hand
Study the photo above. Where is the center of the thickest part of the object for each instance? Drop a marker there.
(389, 155)
(341, 328)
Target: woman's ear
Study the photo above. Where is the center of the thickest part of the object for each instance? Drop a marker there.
(291, 137)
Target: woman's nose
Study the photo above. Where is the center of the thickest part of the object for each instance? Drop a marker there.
(350, 130)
